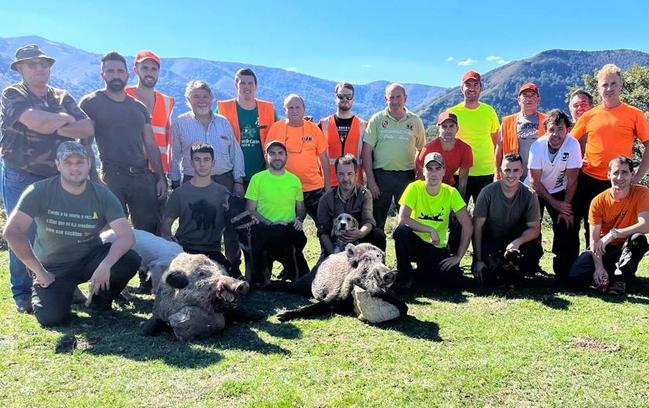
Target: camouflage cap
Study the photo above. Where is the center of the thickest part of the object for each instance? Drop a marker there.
(29, 52)
(67, 149)
(434, 156)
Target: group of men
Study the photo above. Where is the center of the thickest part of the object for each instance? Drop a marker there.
(216, 163)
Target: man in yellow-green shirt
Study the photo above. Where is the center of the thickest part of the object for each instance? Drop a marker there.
(478, 123)
(393, 138)
(423, 226)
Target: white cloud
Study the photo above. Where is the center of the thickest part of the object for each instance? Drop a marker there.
(292, 69)
(449, 59)
(493, 58)
(502, 62)
(467, 62)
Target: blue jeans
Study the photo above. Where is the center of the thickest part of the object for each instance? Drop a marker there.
(14, 182)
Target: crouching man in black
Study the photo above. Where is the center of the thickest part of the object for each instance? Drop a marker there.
(69, 212)
(275, 199)
(351, 198)
(618, 218)
(506, 225)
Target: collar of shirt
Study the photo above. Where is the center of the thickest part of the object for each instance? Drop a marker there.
(405, 116)
(353, 194)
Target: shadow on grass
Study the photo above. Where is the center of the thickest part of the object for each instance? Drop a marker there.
(413, 327)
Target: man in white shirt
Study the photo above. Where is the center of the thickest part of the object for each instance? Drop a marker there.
(554, 163)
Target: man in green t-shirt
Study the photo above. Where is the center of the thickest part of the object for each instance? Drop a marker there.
(69, 212)
(478, 127)
(275, 199)
(423, 226)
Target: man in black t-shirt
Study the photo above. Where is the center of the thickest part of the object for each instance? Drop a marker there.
(69, 211)
(343, 130)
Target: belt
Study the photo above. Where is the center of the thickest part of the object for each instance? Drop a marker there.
(132, 170)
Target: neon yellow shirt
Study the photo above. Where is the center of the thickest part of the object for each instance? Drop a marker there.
(475, 129)
(275, 195)
(431, 210)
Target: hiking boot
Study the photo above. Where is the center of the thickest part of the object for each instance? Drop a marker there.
(24, 306)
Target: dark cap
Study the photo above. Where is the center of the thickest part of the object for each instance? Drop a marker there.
(29, 52)
(434, 156)
(446, 116)
(145, 55)
(471, 75)
(529, 87)
(274, 143)
(67, 149)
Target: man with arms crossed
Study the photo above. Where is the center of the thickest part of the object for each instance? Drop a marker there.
(423, 224)
(69, 212)
(394, 136)
(506, 222)
(555, 160)
(618, 220)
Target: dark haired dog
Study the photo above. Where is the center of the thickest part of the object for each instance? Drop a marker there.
(343, 222)
(333, 283)
(194, 298)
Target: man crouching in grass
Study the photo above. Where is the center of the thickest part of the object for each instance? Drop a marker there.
(69, 212)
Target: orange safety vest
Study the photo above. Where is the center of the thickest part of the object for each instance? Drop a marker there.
(161, 123)
(353, 144)
(265, 110)
(510, 138)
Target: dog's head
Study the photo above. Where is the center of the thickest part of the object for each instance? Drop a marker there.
(343, 222)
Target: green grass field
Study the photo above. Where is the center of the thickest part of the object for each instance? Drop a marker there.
(469, 348)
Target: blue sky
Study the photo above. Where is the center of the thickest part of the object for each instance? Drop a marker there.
(359, 41)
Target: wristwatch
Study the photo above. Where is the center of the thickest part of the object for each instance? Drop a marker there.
(614, 233)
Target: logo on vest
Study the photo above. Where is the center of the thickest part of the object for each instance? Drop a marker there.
(409, 126)
(384, 124)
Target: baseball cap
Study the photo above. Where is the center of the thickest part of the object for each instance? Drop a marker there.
(28, 52)
(529, 87)
(275, 143)
(146, 54)
(471, 75)
(67, 149)
(446, 115)
(434, 156)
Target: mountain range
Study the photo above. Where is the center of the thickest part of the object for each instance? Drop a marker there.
(554, 71)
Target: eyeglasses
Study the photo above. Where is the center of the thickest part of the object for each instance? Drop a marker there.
(33, 64)
(347, 97)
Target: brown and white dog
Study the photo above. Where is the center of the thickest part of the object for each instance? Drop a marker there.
(343, 222)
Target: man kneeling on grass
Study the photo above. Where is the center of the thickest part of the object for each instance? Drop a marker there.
(423, 226)
(69, 212)
(618, 219)
(506, 226)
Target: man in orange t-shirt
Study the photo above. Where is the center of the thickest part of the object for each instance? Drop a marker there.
(619, 218)
(605, 132)
(307, 152)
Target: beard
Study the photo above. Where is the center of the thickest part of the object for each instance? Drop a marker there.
(345, 108)
(148, 81)
(277, 164)
(116, 85)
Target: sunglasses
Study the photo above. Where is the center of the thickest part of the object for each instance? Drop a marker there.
(347, 97)
(32, 64)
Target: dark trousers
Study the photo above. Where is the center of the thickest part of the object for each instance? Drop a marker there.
(52, 304)
(587, 188)
(565, 245)
(474, 186)
(275, 242)
(230, 237)
(311, 200)
(623, 258)
(391, 185)
(137, 193)
(493, 250)
(409, 247)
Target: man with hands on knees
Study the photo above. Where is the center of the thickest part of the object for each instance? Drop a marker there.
(506, 225)
(423, 227)
(69, 212)
(618, 219)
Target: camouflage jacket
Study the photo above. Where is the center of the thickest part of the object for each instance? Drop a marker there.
(26, 149)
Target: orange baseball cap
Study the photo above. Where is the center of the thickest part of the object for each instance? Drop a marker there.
(471, 75)
(529, 87)
(146, 54)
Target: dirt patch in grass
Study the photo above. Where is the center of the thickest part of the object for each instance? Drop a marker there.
(594, 344)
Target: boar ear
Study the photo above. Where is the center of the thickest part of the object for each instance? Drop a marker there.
(351, 255)
(177, 279)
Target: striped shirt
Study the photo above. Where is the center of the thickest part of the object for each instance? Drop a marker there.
(187, 130)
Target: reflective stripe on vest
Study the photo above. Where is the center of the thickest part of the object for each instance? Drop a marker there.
(353, 145)
(265, 112)
(510, 137)
(160, 123)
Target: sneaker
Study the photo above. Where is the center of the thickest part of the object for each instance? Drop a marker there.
(24, 306)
